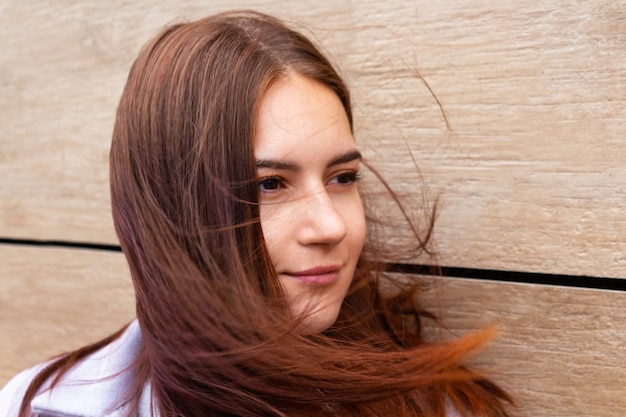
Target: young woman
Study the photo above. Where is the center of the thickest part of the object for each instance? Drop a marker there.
(234, 192)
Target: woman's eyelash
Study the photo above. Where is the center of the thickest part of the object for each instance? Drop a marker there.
(269, 184)
(348, 177)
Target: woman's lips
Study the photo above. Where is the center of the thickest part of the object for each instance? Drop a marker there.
(321, 275)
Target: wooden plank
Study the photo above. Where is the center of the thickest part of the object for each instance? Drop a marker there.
(55, 300)
(531, 178)
(561, 351)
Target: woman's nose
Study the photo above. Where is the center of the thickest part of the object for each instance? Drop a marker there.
(319, 222)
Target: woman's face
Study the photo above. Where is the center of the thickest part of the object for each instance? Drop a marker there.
(311, 213)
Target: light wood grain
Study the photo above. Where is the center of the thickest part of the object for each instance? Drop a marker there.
(561, 351)
(532, 177)
(56, 300)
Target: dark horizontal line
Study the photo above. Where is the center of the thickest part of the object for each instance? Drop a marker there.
(61, 244)
(561, 280)
(578, 281)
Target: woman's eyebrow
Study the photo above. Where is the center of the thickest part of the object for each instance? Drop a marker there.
(292, 166)
(277, 165)
(346, 157)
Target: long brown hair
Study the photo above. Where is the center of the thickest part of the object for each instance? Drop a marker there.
(218, 338)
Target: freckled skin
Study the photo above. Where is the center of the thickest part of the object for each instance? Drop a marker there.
(311, 213)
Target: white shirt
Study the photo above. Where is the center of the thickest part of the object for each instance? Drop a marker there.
(94, 387)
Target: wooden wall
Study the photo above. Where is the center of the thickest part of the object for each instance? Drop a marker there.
(530, 179)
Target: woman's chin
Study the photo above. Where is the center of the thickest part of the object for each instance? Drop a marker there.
(321, 320)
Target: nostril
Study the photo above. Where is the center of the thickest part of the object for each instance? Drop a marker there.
(321, 223)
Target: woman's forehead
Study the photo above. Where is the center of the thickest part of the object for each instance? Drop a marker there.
(296, 112)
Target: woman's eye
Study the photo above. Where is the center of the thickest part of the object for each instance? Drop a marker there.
(348, 177)
(269, 184)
